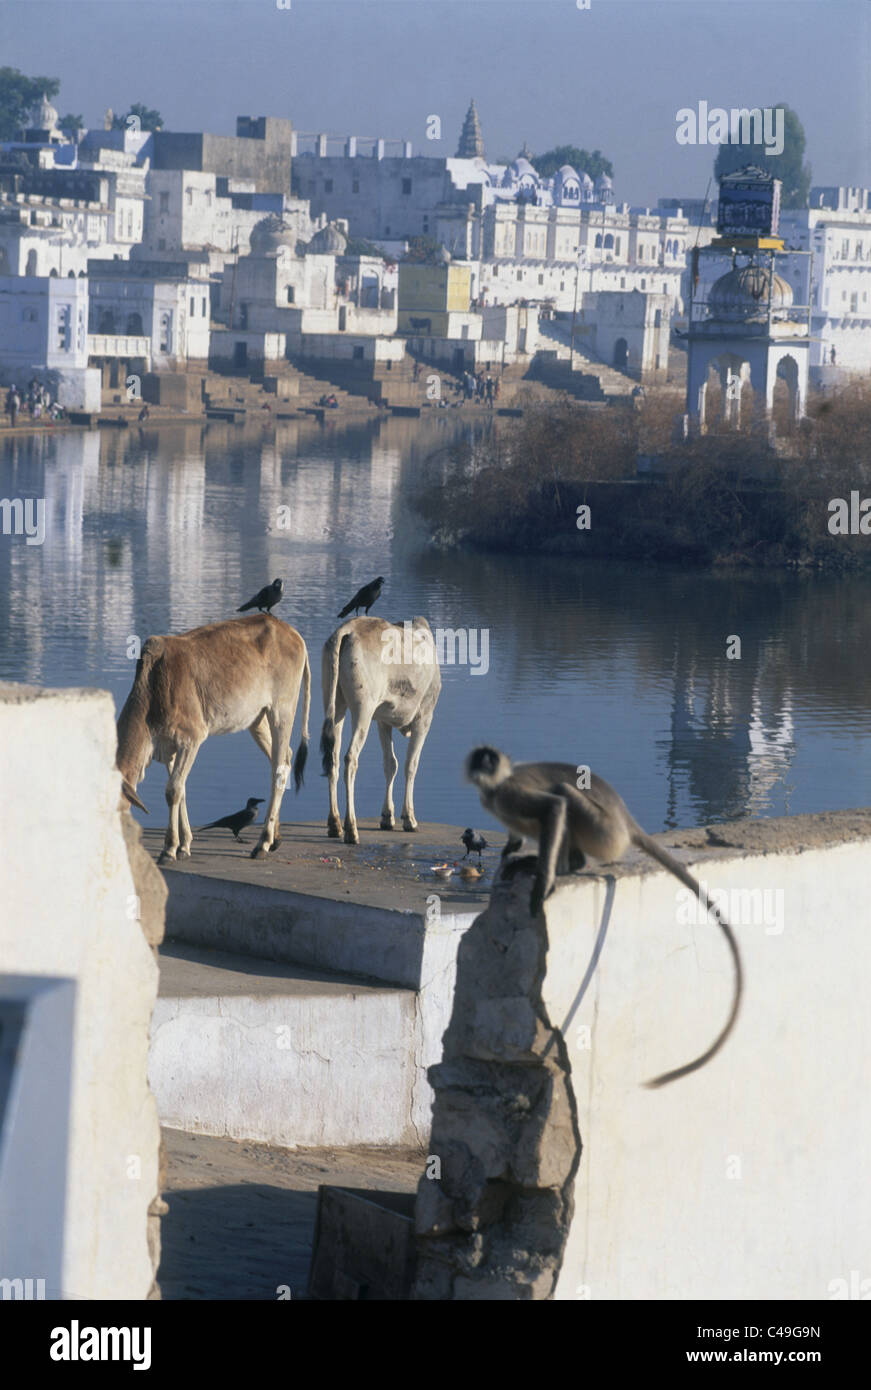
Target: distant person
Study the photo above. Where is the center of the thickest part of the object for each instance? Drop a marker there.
(143, 414)
(489, 390)
(415, 371)
(832, 358)
(12, 405)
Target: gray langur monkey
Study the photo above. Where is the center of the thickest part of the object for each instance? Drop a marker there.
(542, 802)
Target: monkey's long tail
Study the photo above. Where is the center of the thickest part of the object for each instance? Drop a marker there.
(674, 866)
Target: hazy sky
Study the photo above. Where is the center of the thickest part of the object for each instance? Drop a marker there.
(544, 71)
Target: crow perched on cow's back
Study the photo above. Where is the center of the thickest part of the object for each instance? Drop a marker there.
(266, 598)
(364, 598)
(238, 821)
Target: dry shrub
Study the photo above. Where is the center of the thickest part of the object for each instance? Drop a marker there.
(726, 497)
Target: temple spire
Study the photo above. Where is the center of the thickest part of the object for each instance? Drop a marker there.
(471, 144)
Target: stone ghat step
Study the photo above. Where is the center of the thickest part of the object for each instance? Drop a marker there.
(249, 1049)
(373, 911)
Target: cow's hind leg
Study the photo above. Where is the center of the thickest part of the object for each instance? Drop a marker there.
(280, 731)
(419, 731)
(391, 765)
(179, 766)
(352, 758)
(334, 822)
(259, 731)
(184, 849)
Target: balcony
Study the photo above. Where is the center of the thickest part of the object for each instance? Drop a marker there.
(119, 345)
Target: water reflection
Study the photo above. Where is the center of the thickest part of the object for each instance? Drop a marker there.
(621, 668)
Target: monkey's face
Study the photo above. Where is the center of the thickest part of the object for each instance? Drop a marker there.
(487, 767)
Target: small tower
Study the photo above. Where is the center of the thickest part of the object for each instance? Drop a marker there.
(471, 144)
(746, 325)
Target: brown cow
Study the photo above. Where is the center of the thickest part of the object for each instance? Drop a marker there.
(241, 674)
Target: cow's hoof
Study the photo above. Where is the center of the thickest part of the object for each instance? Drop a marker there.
(334, 830)
(166, 857)
(275, 843)
(184, 854)
(388, 823)
(351, 837)
(259, 853)
(409, 825)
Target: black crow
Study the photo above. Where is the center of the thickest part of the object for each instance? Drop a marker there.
(364, 598)
(238, 821)
(267, 597)
(473, 842)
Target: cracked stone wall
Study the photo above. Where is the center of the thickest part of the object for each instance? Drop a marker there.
(504, 1128)
(563, 1177)
(81, 901)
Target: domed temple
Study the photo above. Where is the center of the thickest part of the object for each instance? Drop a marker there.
(747, 329)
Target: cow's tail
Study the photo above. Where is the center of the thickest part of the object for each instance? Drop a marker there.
(135, 743)
(301, 758)
(332, 652)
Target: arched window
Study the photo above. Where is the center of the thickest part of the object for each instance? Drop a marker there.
(598, 240)
(106, 321)
(134, 325)
(31, 263)
(608, 242)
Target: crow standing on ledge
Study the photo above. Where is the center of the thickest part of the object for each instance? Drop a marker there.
(473, 842)
(364, 598)
(238, 821)
(266, 598)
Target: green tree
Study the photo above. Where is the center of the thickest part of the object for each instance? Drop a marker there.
(585, 162)
(70, 124)
(359, 246)
(789, 166)
(18, 94)
(147, 117)
(422, 248)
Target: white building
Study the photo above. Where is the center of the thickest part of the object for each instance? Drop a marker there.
(835, 281)
(155, 314)
(552, 256)
(43, 333)
(287, 298)
(62, 203)
(200, 214)
(837, 229)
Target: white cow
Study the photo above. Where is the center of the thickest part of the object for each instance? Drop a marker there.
(382, 671)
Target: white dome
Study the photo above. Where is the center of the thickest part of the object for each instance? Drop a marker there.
(269, 235)
(43, 115)
(329, 241)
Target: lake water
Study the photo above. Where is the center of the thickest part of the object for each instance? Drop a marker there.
(619, 668)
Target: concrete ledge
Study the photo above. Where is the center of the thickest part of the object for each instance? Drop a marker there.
(247, 1050)
(371, 912)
